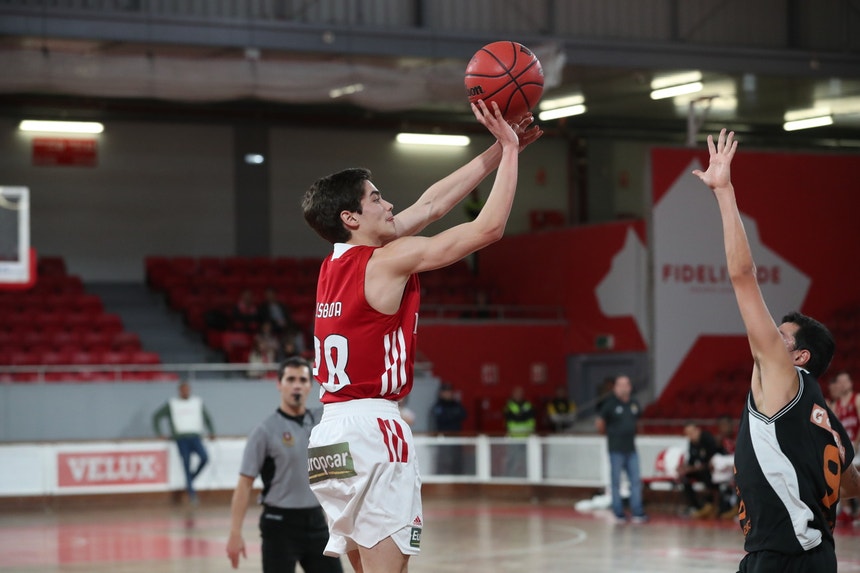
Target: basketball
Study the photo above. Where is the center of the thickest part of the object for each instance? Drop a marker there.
(507, 73)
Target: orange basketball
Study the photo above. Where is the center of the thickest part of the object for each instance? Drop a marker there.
(507, 73)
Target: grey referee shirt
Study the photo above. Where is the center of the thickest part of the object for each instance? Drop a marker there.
(277, 451)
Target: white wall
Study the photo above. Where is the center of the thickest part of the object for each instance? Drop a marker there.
(157, 189)
(168, 188)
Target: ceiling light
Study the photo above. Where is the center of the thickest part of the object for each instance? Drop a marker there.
(432, 139)
(345, 90)
(61, 126)
(561, 112)
(673, 91)
(669, 80)
(557, 102)
(808, 122)
(254, 158)
(838, 105)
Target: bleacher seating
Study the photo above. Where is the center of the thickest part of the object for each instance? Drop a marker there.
(725, 394)
(57, 323)
(205, 290)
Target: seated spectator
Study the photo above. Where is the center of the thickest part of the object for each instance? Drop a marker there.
(561, 411)
(246, 313)
(726, 435)
(274, 311)
(260, 360)
(297, 337)
(702, 447)
(267, 337)
(726, 439)
(288, 348)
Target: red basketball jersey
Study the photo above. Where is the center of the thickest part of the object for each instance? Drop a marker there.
(848, 415)
(360, 352)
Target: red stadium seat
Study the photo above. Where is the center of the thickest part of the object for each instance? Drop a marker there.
(144, 357)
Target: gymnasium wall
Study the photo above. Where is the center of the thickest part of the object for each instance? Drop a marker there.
(168, 188)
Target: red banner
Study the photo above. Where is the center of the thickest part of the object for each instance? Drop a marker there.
(70, 152)
(111, 468)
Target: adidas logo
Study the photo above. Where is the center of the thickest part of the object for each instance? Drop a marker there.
(417, 522)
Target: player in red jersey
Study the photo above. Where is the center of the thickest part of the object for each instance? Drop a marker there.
(361, 459)
(845, 403)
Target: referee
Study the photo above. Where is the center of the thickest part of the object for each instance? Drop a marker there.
(292, 526)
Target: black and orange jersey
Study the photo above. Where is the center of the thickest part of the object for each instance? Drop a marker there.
(788, 470)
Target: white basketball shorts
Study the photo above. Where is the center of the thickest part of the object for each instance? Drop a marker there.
(364, 472)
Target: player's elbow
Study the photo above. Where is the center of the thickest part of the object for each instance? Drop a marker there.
(742, 273)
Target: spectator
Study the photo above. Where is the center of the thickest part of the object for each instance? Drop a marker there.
(274, 311)
(267, 337)
(726, 434)
(292, 524)
(618, 418)
(561, 411)
(260, 359)
(447, 416)
(520, 422)
(246, 312)
(448, 412)
(702, 447)
(845, 403)
(186, 416)
(287, 349)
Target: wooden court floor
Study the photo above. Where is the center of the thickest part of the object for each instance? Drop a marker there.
(487, 535)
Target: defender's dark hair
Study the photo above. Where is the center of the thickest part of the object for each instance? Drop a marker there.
(295, 362)
(814, 337)
(329, 196)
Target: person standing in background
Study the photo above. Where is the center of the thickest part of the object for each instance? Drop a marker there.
(186, 416)
(292, 525)
(447, 416)
(618, 419)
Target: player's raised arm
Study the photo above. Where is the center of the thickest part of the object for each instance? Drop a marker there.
(417, 254)
(774, 379)
(446, 193)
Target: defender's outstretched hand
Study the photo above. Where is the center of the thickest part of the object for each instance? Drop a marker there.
(718, 173)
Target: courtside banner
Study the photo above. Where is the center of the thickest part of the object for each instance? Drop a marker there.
(112, 468)
(799, 212)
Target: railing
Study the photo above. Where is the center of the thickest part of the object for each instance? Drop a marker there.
(109, 372)
(572, 461)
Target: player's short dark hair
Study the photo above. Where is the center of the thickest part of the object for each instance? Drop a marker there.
(294, 362)
(329, 196)
(813, 336)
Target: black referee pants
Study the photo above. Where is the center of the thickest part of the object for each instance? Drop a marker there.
(293, 536)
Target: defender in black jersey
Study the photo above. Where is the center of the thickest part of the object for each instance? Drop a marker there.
(793, 457)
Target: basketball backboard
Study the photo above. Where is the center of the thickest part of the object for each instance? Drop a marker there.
(17, 260)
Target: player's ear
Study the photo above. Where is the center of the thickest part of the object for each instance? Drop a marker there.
(349, 219)
(802, 357)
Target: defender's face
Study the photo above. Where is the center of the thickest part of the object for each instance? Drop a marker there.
(787, 330)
